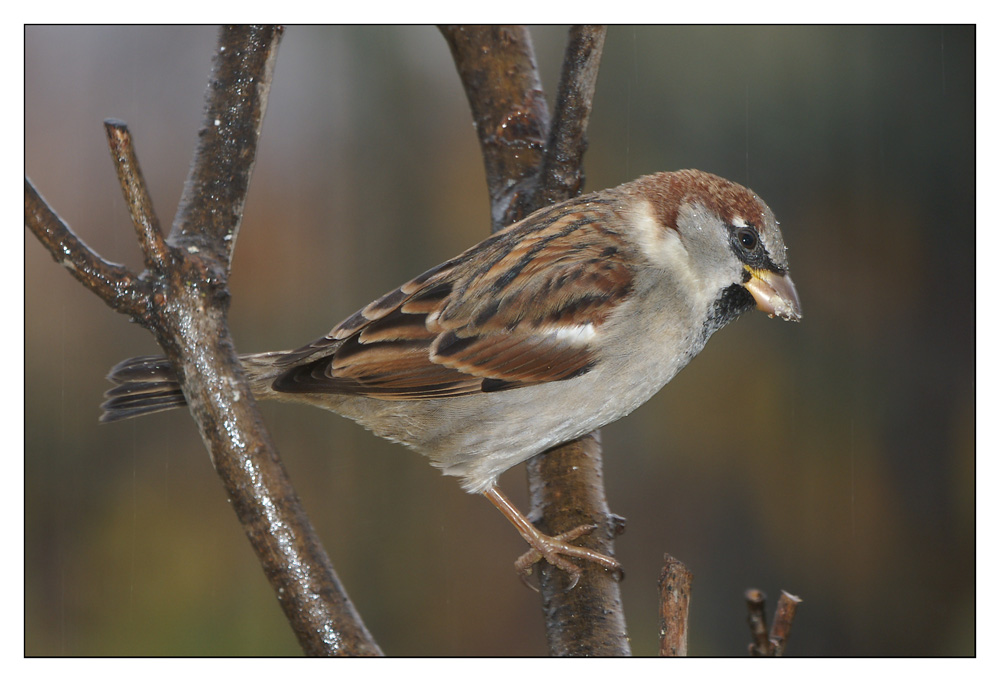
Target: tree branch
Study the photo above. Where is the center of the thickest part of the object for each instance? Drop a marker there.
(183, 299)
(757, 620)
(211, 206)
(562, 169)
(784, 614)
(566, 487)
(675, 598)
(773, 645)
(140, 204)
(497, 68)
(115, 284)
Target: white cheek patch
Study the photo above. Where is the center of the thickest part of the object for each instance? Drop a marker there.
(662, 246)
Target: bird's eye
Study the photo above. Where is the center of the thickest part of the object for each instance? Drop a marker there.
(748, 238)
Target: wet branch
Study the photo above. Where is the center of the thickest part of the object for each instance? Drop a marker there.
(497, 67)
(183, 299)
(140, 204)
(562, 169)
(530, 163)
(113, 283)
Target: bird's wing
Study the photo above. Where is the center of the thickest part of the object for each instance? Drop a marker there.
(522, 307)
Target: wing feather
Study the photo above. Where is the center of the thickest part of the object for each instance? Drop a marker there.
(520, 308)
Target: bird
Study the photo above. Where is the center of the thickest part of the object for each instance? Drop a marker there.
(555, 326)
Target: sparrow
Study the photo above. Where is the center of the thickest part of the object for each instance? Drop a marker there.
(541, 333)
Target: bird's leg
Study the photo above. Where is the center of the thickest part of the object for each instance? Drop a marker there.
(550, 548)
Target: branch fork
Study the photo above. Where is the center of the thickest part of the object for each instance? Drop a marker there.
(182, 298)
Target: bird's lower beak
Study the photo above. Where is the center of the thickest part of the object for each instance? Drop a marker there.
(775, 294)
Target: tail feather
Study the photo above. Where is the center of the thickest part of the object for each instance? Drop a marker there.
(148, 384)
(143, 385)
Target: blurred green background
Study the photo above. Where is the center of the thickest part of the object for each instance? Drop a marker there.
(834, 458)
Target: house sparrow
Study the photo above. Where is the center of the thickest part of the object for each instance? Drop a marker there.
(553, 327)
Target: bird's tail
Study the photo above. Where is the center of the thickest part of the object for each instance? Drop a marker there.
(143, 385)
(148, 384)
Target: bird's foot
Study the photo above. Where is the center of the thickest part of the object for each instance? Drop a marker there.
(553, 549)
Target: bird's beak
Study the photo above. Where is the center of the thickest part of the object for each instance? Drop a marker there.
(775, 294)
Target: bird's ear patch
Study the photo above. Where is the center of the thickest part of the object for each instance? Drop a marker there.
(660, 244)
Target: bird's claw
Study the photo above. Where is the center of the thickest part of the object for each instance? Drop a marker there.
(553, 549)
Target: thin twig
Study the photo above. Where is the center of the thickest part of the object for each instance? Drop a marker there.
(115, 284)
(675, 598)
(784, 614)
(763, 644)
(757, 619)
(562, 169)
(140, 205)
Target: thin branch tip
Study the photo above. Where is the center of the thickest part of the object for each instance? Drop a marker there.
(562, 167)
(114, 284)
(675, 597)
(791, 597)
(140, 204)
(773, 643)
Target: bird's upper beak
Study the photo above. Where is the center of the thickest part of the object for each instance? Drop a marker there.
(775, 294)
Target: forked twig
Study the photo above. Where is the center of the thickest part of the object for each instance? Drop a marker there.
(773, 644)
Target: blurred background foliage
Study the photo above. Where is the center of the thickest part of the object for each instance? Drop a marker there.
(834, 458)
